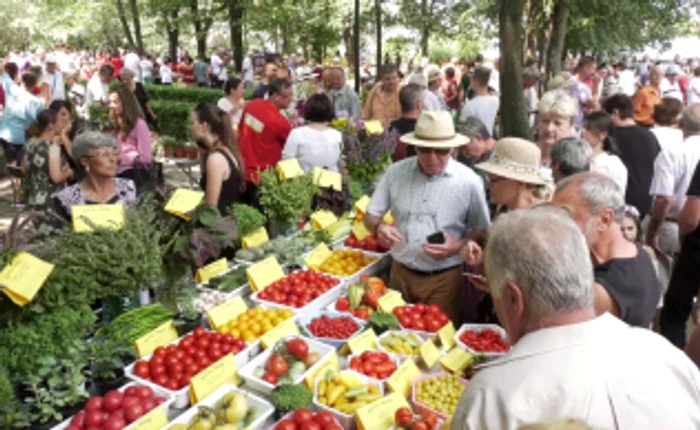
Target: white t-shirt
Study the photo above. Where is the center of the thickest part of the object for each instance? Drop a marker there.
(495, 80)
(673, 170)
(431, 103)
(668, 137)
(483, 107)
(166, 75)
(57, 87)
(611, 166)
(97, 91)
(146, 69)
(694, 90)
(216, 65)
(627, 82)
(247, 69)
(669, 89)
(132, 62)
(314, 148)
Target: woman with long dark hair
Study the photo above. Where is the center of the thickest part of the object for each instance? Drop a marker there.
(222, 164)
(598, 128)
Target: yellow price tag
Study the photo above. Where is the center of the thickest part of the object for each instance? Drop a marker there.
(363, 341)
(22, 277)
(361, 205)
(373, 127)
(290, 168)
(429, 353)
(102, 216)
(447, 336)
(389, 301)
(160, 336)
(360, 231)
(210, 379)
(328, 363)
(456, 360)
(323, 219)
(285, 328)
(154, 420)
(401, 381)
(330, 179)
(379, 415)
(225, 312)
(263, 273)
(184, 201)
(388, 218)
(256, 239)
(318, 256)
(211, 270)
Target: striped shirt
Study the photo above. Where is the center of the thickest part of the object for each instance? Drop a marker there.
(452, 202)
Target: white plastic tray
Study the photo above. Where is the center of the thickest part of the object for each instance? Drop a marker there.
(265, 388)
(479, 328)
(382, 260)
(316, 304)
(402, 357)
(167, 405)
(393, 358)
(346, 421)
(265, 407)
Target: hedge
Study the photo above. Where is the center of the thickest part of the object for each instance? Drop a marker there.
(173, 117)
(175, 93)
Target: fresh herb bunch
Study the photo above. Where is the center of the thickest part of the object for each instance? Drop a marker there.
(367, 156)
(288, 398)
(248, 219)
(289, 200)
(135, 323)
(108, 356)
(337, 202)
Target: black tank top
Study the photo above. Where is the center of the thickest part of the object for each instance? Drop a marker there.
(230, 188)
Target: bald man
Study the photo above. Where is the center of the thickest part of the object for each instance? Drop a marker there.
(343, 97)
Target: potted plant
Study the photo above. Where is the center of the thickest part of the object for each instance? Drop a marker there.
(108, 357)
(179, 151)
(192, 151)
(168, 143)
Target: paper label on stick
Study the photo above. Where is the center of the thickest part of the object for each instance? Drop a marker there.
(379, 415)
(103, 216)
(331, 179)
(447, 336)
(360, 231)
(225, 312)
(184, 201)
(363, 341)
(211, 270)
(256, 239)
(456, 360)
(210, 379)
(429, 353)
(286, 327)
(160, 336)
(263, 273)
(320, 254)
(373, 127)
(361, 205)
(401, 381)
(290, 168)
(323, 219)
(389, 301)
(23, 277)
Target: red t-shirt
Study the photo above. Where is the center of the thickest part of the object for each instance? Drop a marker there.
(2, 97)
(118, 65)
(263, 130)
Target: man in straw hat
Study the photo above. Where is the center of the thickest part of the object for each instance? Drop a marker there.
(435, 201)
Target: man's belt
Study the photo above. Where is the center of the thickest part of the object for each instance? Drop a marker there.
(428, 273)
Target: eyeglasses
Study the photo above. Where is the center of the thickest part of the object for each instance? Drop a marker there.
(437, 151)
(105, 154)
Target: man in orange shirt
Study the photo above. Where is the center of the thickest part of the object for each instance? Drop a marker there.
(648, 97)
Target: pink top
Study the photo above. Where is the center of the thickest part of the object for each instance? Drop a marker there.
(136, 147)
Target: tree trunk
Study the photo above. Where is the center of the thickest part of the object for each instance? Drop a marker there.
(425, 24)
(510, 32)
(235, 22)
(378, 23)
(200, 33)
(136, 19)
(173, 31)
(555, 50)
(125, 24)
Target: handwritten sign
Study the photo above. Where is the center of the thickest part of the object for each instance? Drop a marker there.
(22, 278)
(256, 239)
(154, 420)
(160, 336)
(401, 381)
(318, 256)
(102, 216)
(447, 336)
(363, 341)
(456, 360)
(288, 169)
(389, 301)
(373, 127)
(330, 179)
(210, 379)
(262, 274)
(379, 415)
(361, 205)
(184, 201)
(360, 231)
(225, 312)
(328, 363)
(211, 270)
(285, 328)
(323, 219)
(429, 353)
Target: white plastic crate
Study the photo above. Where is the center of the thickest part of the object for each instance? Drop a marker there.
(478, 328)
(347, 421)
(316, 304)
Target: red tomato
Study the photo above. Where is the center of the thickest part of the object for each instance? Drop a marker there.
(143, 392)
(78, 420)
(115, 422)
(303, 415)
(134, 412)
(142, 370)
(310, 425)
(199, 331)
(148, 405)
(420, 425)
(94, 404)
(286, 425)
(332, 426)
(159, 352)
(270, 378)
(94, 418)
(277, 365)
(172, 385)
(130, 400)
(403, 417)
(113, 401)
(297, 348)
(432, 324)
(161, 380)
(191, 369)
(324, 418)
(157, 370)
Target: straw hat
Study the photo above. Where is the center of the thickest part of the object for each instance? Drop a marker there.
(435, 130)
(418, 79)
(517, 159)
(433, 75)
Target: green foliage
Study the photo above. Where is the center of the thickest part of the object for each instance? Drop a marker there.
(6, 392)
(248, 219)
(108, 355)
(135, 323)
(173, 117)
(286, 201)
(180, 94)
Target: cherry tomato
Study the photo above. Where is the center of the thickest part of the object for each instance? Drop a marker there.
(403, 417)
(286, 425)
(303, 415)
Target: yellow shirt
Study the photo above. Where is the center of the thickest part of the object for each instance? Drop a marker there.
(382, 106)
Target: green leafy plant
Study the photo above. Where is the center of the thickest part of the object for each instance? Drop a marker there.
(289, 200)
(248, 219)
(108, 355)
(185, 302)
(172, 117)
(137, 322)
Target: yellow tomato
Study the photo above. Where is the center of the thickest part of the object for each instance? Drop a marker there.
(248, 336)
(236, 333)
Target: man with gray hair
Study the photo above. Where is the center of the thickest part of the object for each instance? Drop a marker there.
(342, 95)
(570, 156)
(625, 280)
(565, 362)
(430, 101)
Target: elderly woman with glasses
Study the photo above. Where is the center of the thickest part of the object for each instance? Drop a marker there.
(98, 155)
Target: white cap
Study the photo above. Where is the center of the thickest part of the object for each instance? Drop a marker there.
(50, 58)
(673, 69)
(419, 79)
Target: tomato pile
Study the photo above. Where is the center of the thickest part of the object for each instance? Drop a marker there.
(333, 328)
(421, 317)
(288, 362)
(343, 305)
(305, 419)
(253, 323)
(487, 341)
(297, 289)
(370, 243)
(345, 262)
(116, 410)
(172, 367)
(377, 365)
(405, 419)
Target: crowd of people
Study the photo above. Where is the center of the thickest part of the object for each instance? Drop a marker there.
(581, 243)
